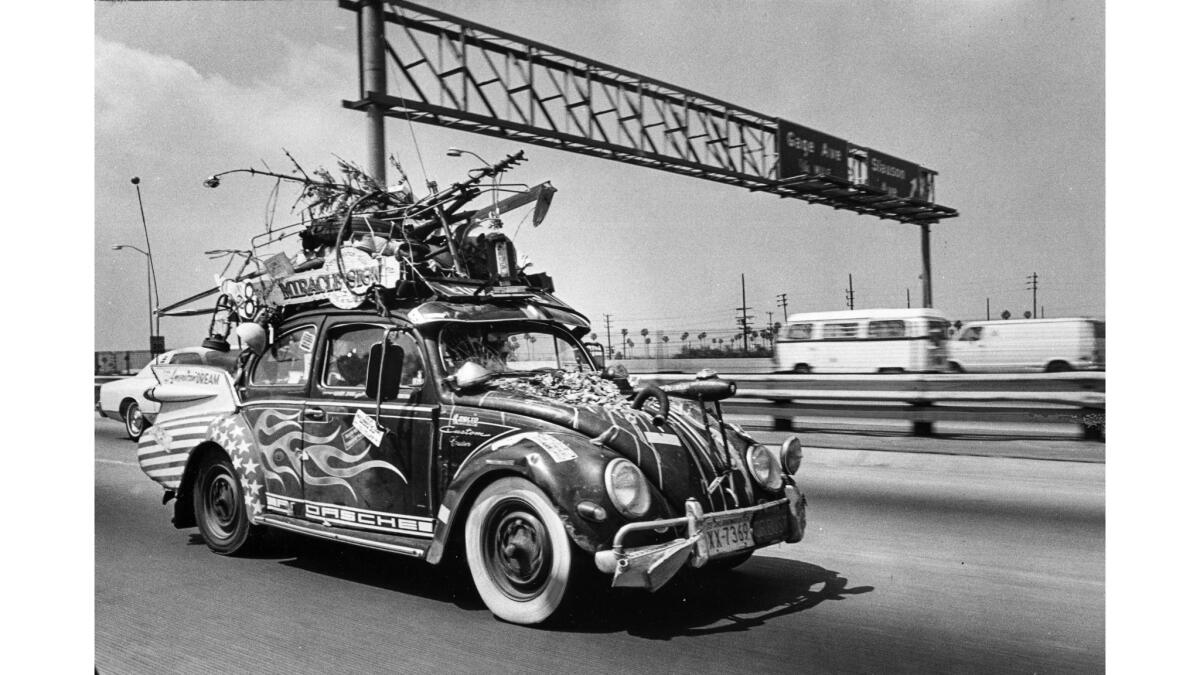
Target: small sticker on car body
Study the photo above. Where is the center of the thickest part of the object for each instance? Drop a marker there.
(557, 450)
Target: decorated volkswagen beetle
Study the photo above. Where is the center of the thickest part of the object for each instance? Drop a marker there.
(382, 405)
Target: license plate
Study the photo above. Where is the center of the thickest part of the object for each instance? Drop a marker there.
(728, 535)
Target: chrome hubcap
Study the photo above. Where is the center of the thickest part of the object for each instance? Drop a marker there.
(221, 505)
(518, 553)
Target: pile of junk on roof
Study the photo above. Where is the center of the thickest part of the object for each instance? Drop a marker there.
(362, 244)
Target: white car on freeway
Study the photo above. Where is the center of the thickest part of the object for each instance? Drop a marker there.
(125, 399)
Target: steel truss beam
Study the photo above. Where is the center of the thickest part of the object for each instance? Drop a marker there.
(463, 75)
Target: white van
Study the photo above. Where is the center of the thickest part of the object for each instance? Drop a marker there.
(1032, 345)
(863, 341)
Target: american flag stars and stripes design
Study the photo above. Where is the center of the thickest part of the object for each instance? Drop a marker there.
(231, 433)
(163, 450)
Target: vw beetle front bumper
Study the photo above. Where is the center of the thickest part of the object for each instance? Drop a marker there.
(652, 566)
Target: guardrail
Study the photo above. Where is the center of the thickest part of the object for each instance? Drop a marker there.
(923, 400)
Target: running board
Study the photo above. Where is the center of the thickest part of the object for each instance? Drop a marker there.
(409, 546)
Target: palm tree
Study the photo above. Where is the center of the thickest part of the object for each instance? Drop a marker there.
(647, 347)
(683, 338)
(665, 340)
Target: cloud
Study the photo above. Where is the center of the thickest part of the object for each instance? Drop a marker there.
(172, 123)
(150, 103)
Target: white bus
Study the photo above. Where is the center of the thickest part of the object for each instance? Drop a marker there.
(863, 341)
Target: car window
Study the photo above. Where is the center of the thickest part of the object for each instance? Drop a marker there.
(885, 329)
(800, 331)
(503, 348)
(287, 360)
(972, 334)
(346, 356)
(186, 358)
(348, 350)
(840, 330)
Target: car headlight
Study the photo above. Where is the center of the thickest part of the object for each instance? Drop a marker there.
(791, 454)
(627, 488)
(764, 467)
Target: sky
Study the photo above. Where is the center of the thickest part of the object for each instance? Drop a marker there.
(1004, 99)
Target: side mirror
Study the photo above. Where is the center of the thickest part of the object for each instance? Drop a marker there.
(253, 335)
(383, 371)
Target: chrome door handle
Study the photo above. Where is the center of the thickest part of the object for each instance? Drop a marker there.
(314, 414)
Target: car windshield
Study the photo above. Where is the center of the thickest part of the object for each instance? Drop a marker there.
(510, 348)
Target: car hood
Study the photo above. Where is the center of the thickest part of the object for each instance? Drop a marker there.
(682, 458)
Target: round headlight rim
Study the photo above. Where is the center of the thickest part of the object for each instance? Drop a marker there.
(643, 489)
(786, 452)
(774, 479)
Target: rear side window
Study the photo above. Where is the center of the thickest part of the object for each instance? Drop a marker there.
(842, 331)
(1098, 330)
(799, 331)
(885, 329)
(287, 361)
(186, 358)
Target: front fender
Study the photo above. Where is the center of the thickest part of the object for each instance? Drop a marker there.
(566, 466)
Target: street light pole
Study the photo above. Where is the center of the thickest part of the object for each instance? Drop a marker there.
(150, 266)
(149, 290)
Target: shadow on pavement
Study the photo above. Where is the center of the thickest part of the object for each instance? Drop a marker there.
(696, 603)
(386, 571)
(701, 603)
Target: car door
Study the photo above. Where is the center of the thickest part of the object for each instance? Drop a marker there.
(273, 400)
(367, 464)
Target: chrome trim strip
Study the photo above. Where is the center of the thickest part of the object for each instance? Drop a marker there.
(339, 536)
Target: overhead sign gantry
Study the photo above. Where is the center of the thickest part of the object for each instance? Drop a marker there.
(463, 75)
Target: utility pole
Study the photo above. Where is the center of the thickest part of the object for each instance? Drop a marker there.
(989, 309)
(781, 301)
(608, 332)
(850, 293)
(744, 321)
(908, 298)
(375, 76)
(1032, 282)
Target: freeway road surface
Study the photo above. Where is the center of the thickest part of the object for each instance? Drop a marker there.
(912, 563)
